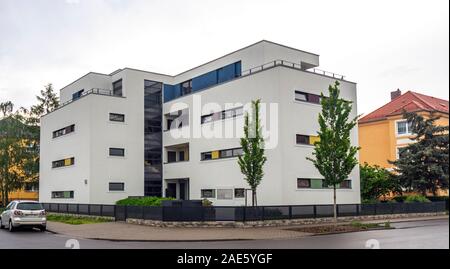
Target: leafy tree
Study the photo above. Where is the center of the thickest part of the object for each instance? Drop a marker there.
(335, 157)
(423, 165)
(47, 102)
(18, 154)
(252, 160)
(6, 108)
(376, 182)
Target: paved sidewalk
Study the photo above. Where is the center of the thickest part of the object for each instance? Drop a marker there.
(120, 231)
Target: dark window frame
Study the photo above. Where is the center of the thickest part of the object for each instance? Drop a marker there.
(116, 189)
(112, 150)
(62, 162)
(310, 97)
(298, 141)
(115, 117)
(71, 194)
(64, 131)
(222, 115)
(237, 193)
(213, 193)
(309, 186)
(234, 151)
(114, 88)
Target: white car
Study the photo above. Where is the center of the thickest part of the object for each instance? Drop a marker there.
(23, 214)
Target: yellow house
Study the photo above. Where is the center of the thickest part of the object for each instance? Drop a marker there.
(383, 132)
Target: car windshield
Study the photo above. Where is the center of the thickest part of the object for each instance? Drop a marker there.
(29, 206)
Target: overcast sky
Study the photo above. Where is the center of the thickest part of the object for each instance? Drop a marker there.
(381, 45)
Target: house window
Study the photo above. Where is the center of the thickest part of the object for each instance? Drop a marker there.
(346, 184)
(208, 193)
(116, 117)
(62, 194)
(302, 139)
(171, 156)
(117, 88)
(63, 163)
(239, 193)
(221, 154)
(221, 115)
(404, 127)
(181, 156)
(186, 87)
(224, 194)
(31, 187)
(116, 152)
(303, 183)
(116, 186)
(77, 94)
(64, 131)
(307, 97)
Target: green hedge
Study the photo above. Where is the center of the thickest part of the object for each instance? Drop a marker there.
(143, 201)
(416, 199)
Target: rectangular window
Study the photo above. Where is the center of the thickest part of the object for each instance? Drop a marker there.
(171, 156)
(116, 117)
(221, 154)
(181, 156)
(346, 184)
(117, 88)
(224, 194)
(303, 183)
(302, 139)
(307, 97)
(62, 194)
(186, 87)
(208, 193)
(77, 95)
(116, 186)
(404, 128)
(116, 152)
(64, 131)
(63, 163)
(239, 193)
(221, 115)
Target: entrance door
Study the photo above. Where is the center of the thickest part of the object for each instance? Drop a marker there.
(171, 190)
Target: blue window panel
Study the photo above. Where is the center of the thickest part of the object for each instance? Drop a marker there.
(227, 73)
(169, 92)
(204, 81)
(238, 69)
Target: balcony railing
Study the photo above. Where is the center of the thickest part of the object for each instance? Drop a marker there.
(97, 91)
(291, 65)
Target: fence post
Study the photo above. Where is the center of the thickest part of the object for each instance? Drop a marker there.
(115, 212)
(57, 206)
(143, 213)
(244, 216)
(126, 213)
(262, 213)
(89, 209)
(337, 210)
(78, 209)
(290, 212)
(101, 210)
(357, 210)
(315, 211)
(376, 211)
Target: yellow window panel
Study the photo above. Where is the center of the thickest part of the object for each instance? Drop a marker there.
(67, 162)
(215, 154)
(313, 139)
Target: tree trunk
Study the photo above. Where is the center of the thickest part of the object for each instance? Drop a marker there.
(334, 204)
(253, 197)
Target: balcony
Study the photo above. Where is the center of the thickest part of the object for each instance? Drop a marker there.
(177, 153)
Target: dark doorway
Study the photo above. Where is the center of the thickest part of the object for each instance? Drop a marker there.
(171, 190)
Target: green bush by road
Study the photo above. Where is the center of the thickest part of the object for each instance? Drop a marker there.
(76, 220)
(144, 201)
(416, 199)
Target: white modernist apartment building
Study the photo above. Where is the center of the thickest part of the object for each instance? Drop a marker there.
(139, 133)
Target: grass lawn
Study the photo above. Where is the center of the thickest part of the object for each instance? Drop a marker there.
(76, 220)
(343, 228)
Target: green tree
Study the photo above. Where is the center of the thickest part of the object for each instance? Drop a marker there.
(18, 154)
(252, 160)
(47, 102)
(424, 165)
(376, 182)
(335, 157)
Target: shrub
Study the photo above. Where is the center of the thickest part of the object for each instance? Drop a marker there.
(143, 201)
(416, 199)
(399, 199)
(206, 202)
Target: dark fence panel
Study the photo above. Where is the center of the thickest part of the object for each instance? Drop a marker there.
(240, 213)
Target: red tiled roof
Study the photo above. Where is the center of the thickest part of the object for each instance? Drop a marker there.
(410, 101)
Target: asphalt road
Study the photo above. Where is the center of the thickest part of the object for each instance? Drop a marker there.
(431, 234)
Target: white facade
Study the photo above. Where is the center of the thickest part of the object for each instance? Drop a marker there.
(186, 175)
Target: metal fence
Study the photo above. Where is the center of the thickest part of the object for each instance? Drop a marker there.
(242, 214)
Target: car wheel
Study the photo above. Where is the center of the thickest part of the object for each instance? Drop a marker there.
(1, 224)
(43, 228)
(11, 227)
